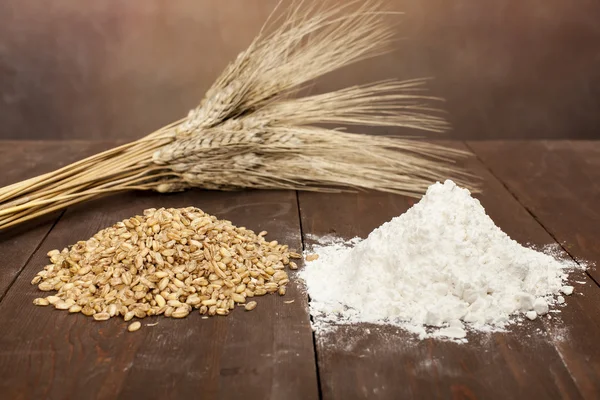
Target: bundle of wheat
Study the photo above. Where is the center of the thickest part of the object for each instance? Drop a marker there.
(251, 132)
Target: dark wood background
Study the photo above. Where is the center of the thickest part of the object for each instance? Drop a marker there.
(538, 192)
(119, 69)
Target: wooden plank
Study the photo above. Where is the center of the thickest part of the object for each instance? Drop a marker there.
(22, 160)
(266, 353)
(559, 183)
(388, 363)
(552, 181)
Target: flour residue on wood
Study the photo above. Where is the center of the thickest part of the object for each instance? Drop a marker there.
(439, 270)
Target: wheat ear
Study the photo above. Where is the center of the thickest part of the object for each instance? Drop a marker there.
(254, 130)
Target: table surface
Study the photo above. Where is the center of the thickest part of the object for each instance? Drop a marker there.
(538, 192)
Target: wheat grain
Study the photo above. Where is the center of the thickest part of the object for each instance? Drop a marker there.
(75, 308)
(165, 262)
(134, 326)
(61, 305)
(41, 302)
(103, 316)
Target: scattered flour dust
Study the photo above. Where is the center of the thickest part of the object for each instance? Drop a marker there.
(438, 270)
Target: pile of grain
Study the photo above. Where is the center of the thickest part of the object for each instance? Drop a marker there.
(168, 261)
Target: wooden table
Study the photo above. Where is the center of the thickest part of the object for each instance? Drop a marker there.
(538, 192)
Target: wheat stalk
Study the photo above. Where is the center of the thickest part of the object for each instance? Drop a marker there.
(252, 130)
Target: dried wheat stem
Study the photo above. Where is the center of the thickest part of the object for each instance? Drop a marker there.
(249, 133)
(90, 164)
(90, 172)
(109, 186)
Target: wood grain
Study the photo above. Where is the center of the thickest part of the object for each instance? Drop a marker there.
(549, 179)
(266, 353)
(22, 160)
(389, 363)
(559, 183)
(269, 352)
(113, 69)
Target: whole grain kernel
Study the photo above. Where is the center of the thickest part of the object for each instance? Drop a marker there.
(112, 310)
(160, 301)
(250, 306)
(87, 310)
(238, 298)
(166, 261)
(75, 308)
(134, 326)
(52, 253)
(169, 311)
(103, 316)
(41, 302)
(46, 286)
(180, 313)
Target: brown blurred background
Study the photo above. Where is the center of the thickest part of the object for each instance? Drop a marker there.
(113, 69)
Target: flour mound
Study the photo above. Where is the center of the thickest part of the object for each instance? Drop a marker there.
(439, 269)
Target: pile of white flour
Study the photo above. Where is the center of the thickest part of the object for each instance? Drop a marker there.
(439, 269)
